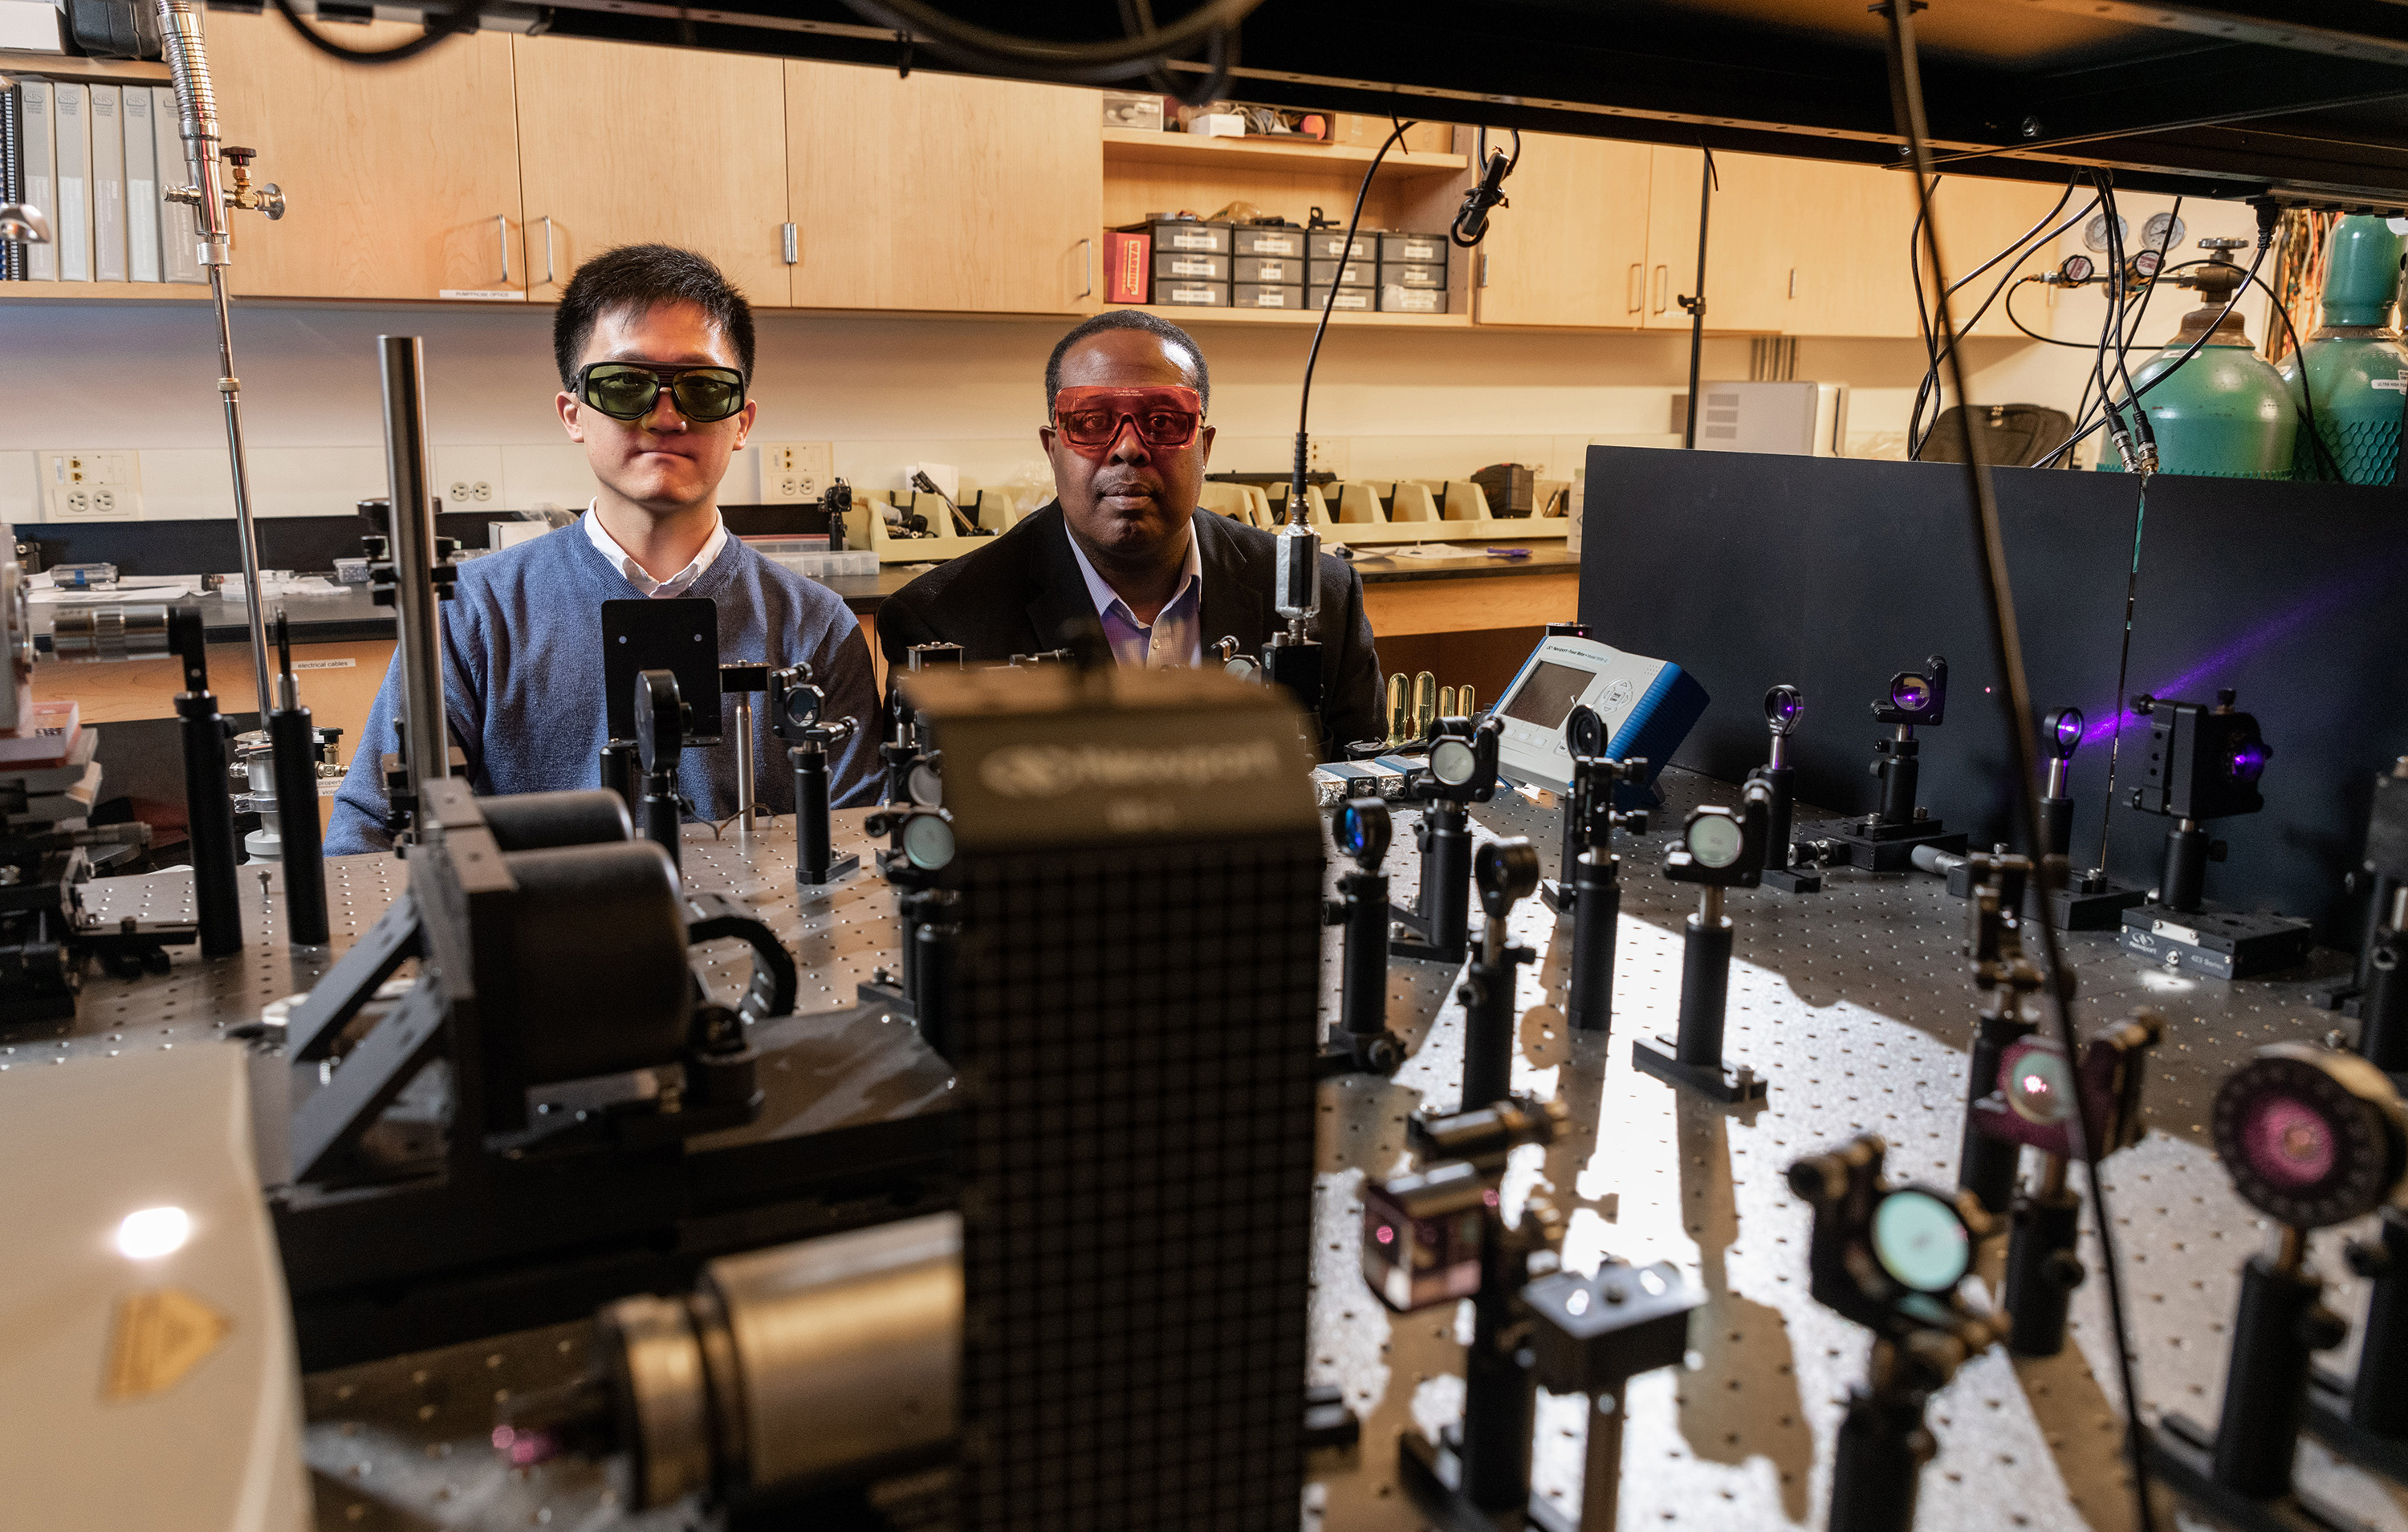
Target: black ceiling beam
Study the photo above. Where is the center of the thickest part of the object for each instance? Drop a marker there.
(2375, 30)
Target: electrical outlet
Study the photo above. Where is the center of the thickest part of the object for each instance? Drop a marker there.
(797, 471)
(93, 486)
(481, 492)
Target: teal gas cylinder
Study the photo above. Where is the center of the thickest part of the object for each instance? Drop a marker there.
(2357, 368)
(2225, 411)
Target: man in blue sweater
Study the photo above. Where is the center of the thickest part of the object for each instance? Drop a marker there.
(655, 355)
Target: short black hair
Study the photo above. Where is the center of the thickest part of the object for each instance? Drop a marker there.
(638, 277)
(1128, 318)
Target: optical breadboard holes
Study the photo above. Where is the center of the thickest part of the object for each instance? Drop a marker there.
(86, 484)
(797, 472)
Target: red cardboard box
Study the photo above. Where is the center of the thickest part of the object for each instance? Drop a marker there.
(1128, 269)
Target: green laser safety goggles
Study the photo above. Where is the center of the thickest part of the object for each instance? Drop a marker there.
(626, 391)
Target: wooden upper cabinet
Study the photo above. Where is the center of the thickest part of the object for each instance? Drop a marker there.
(619, 144)
(1570, 246)
(1773, 243)
(401, 182)
(943, 193)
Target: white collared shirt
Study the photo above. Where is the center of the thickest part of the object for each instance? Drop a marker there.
(1176, 635)
(677, 584)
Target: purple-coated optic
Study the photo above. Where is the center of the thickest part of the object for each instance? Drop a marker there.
(2065, 731)
(2248, 761)
(2289, 1141)
(1782, 707)
(1909, 694)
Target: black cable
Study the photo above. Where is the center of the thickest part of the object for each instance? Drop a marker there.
(2045, 340)
(2006, 645)
(2074, 440)
(1066, 62)
(453, 25)
(2127, 325)
(1917, 434)
(1296, 514)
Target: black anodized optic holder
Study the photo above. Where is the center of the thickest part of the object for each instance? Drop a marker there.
(1718, 849)
(1460, 770)
(1783, 706)
(1361, 1043)
(2204, 763)
(1886, 839)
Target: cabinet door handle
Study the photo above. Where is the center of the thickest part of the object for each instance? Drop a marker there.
(1663, 285)
(1088, 246)
(1793, 281)
(547, 249)
(1484, 269)
(789, 244)
(1636, 294)
(502, 228)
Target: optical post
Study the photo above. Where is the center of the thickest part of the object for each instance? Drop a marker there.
(1718, 849)
(1460, 771)
(1783, 706)
(1890, 1259)
(1361, 1043)
(2311, 1137)
(1506, 872)
(796, 718)
(1591, 886)
(1887, 840)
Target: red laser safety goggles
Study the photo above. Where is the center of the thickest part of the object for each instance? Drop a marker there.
(1089, 420)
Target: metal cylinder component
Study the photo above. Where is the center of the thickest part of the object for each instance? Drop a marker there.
(2057, 768)
(294, 754)
(109, 633)
(791, 1363)
(2266, 1383)
(815, 843)
(1296, 569)
(2041, 1271)
(411, 516)
(1899, 773)
(600, 1006)
(1882, 1450)
(2056, 820)
(744, 760)
(1705, 985)
(1781, 778)
(619, 770)
(1488, 1024)
(937, 940)
(1445, 840)
(1601, 1482)
(527, 822)
(1363, 985)
(1931, 859)
(2383, 1011)
(2377, 1401)
(209, 812)
(2184, 881)
(1597, 911)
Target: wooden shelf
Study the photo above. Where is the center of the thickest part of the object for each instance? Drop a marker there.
(1139, 146)
(1183, 316)
(60, 66)
(104, 292)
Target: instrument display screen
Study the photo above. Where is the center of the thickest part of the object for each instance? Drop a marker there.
(1546, 695)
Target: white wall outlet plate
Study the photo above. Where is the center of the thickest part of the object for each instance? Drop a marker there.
(797, 471)
(90, 485)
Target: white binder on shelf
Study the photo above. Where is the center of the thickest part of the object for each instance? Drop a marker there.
(38, 127)
(141, 188)
(71, 224)
(180, 242)
(107, 183)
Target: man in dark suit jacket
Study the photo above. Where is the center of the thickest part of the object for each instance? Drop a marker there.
(1124, 542)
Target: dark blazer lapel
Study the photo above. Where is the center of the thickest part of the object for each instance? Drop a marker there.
(1234, 604)
(1061, 595)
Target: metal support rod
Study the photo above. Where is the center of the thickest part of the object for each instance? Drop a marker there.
(1602, 1477)
(1696, 303)
(1882, 1450)
(1489, 1017)
(208, 812)
(426, 744)
(1705, 982)
(1498, 1391)
(744, 762)
(2184, 880)
(814, 847)
(188, 64)
(2042, 1271)
(1363, 986)
(1595, 879)
(295, 746)
(2265, 1383)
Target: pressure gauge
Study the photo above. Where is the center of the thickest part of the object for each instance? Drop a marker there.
(2162, 232)
(1361, 828)
(2312, 1136)
(1453, 761)
(1714, 838)
(2076, 269)
(2064, 730)
(929, 841)
(2095, 233)
(1783, 707)
(1921, 1241)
